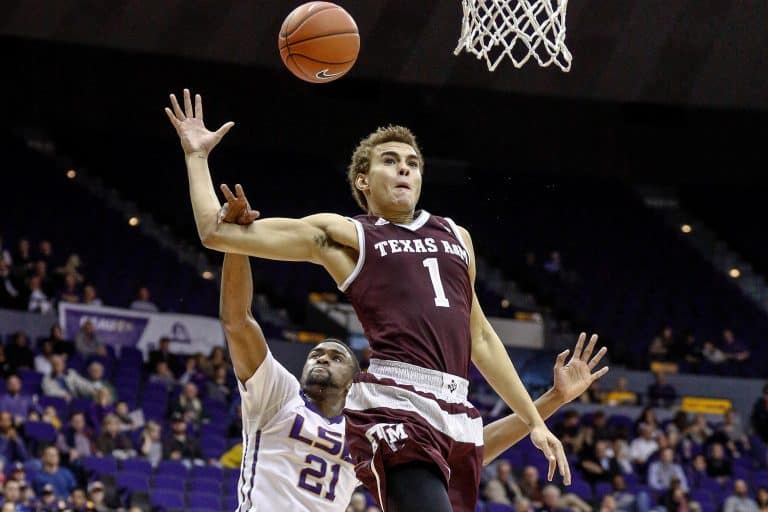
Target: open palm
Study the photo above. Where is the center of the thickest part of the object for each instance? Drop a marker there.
(574, 378)
(194, 136)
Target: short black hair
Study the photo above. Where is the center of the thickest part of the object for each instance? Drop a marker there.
(348, 349)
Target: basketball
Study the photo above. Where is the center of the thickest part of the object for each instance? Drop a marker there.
(319, 42)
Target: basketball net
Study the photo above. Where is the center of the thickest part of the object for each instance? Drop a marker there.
(517, 29)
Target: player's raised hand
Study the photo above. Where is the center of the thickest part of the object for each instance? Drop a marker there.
(553, 450)
(237, 209)
(574, 378)
(195, 137)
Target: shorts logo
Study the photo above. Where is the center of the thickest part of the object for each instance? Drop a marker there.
(452, 386)
(391, 433)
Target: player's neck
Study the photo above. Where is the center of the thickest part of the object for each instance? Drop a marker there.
(392, 216)
(329, 402)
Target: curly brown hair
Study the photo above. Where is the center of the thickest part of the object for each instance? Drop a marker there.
(361, 158)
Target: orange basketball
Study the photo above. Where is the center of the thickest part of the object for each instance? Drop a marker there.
(319, 42)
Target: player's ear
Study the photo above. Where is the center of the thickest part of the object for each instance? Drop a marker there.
(361, 181)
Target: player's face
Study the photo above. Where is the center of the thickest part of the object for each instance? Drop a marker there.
(328, 365)
(394, 178)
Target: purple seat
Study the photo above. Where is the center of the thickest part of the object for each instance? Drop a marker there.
(56, 402)
(171, 468)
(211, 472)
(703, 496)
(230, 502)
(602, 489)
(168, 482)
(133, 482)
(581, 489)
(167, 500)
(99, 466)
(498, 507)
(203, 484)
(40, 431)
(204, 500)
(136, 465)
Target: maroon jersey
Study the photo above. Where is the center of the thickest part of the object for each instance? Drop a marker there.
(412, 292)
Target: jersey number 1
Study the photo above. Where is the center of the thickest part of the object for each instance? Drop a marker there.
(434, 274)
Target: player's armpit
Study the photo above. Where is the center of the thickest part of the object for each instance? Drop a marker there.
(246, 342)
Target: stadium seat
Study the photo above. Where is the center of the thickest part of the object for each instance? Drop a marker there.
(133, 482)
(40, 431)
(136, 465)
(498, 507)
(212, 472)
(171, 468)
(98, 466)
(167, 500)
(204, 500)
(168, 482)
(56, 402)
(203, 484)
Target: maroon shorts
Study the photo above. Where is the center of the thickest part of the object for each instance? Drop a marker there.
(398, 413)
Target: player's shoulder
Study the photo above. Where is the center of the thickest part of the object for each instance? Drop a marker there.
(450, 223)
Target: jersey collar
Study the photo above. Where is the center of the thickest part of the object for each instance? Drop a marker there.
(311, 407)
(417, 222)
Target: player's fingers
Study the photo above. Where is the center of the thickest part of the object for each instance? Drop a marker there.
(224, 129)
(562, 462)
(253, 215)
(579, 345)
(595, 360)
(188, 104)
(199, 107)
(177, 109)
(552, 465)
(599, 373)
(228, 195)
(239, 192)
(590, 347)
(560, 361)
(171, 117)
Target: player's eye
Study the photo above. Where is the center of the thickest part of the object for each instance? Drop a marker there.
(389, 160)
(337, 359)
(413, 164)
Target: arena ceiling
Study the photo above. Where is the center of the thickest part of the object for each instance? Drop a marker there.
(711, 53)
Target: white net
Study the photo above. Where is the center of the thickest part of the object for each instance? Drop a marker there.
(517, 29)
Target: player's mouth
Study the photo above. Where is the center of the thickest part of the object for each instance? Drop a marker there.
(403, 185)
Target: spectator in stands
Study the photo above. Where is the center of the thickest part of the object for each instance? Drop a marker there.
(554, 265)
(621, 394)
(689, 354)
(736, 352)
(101, 407)
(760, 415)
(128, 421)
(163, 374)
(660, 348)
(66, 383)
(698, 471)
(87, 342)
(43, 359)
(643, 446)
(76, 440)
(661, 393)
(713, 356)
(9, 294)
(192, 372)
(676, 499)
(40, 270)
(699, 430)
(12, 495)
(663, 471)
(762, 499)
(5, 255)
(15, 402)
(648, 417)
(45, 252)
(22, 257)
(570, 432)
(608, 504)
(113, 442)
(740, 501)
(598, 463)
(97, 497)
(530, 486)
(217, 357)
(151, 443)
(494, 493)
(143, 302)
(78, 501)
(622, 455)
(163, 353)
(51, 416)
(12, 446)
(61, 345)
(90, 297)
(18, 352)
(178, 446)
(218, 389)
(37, 300)
(72, 266)
(731, 433)
(70, 292)
(189, 404)
(49, 501)
(357, 503)
(551, 500)
(506, 482)
(5, 366)
(96, 376)
(627, 501)
(52, 474)
(718, 466)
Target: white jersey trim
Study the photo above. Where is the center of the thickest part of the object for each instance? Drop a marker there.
(360, 257)
(459, 427)
(457, 234)
(417, 222)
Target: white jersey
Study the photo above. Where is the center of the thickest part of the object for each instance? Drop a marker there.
(294, 459)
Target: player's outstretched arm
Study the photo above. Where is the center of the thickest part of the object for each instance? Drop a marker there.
(570, 381)
(304, 239)
(247, 346)
(491, 358)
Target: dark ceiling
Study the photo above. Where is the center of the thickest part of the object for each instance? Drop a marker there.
(679, 52)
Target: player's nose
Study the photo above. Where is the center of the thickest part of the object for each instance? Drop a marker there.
(404, 170)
